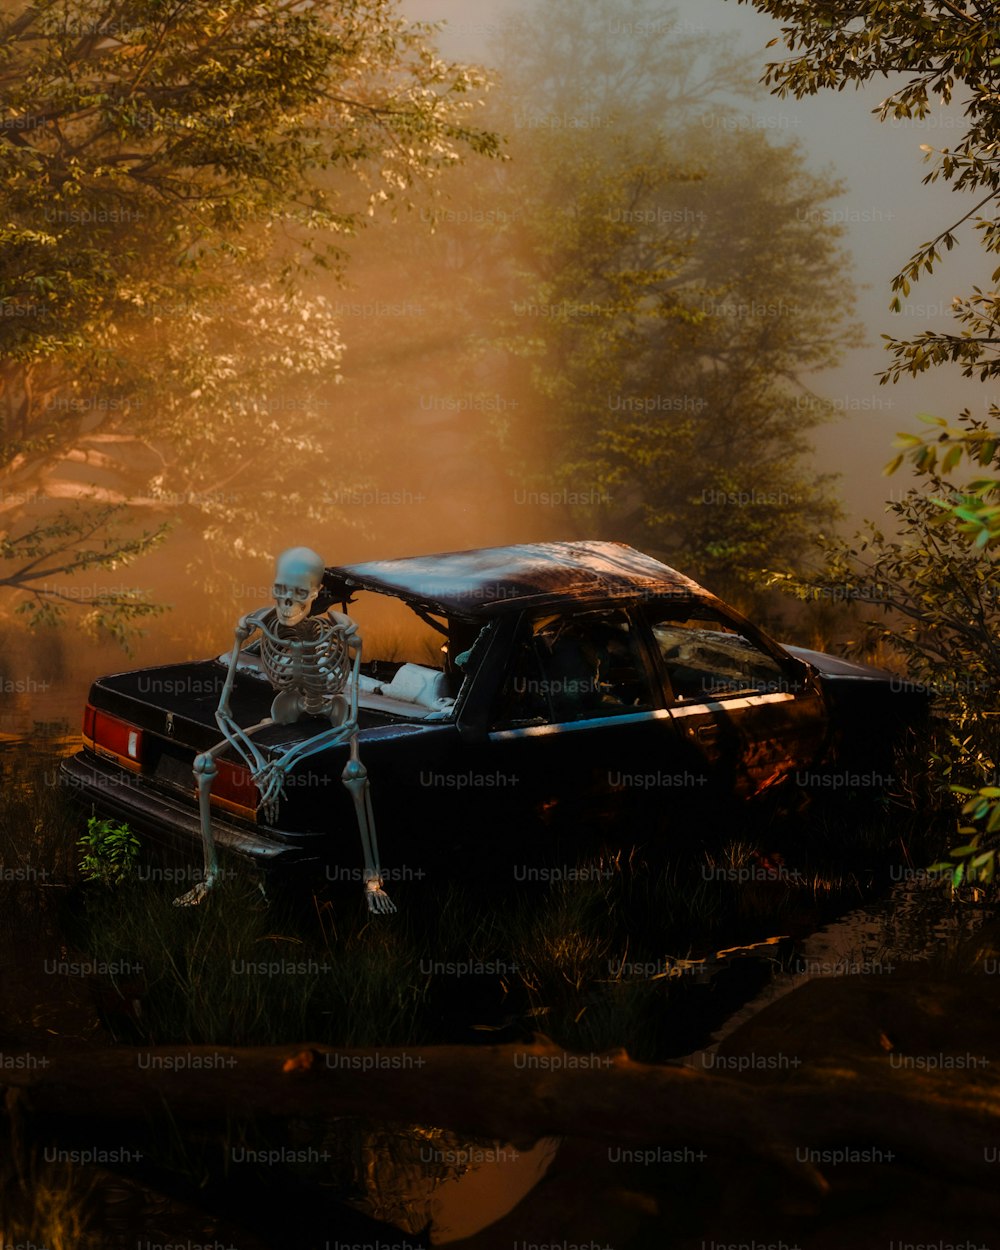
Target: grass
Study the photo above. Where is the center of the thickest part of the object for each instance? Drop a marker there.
(591, 961)
(38, 829)
(46, 1205)
(596, 958)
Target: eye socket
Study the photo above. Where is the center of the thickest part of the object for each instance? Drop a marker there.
(299, 593)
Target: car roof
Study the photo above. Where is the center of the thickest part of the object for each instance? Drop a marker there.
(490, 581)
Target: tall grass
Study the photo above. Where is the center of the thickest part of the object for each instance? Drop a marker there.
(239, 971)
(591, 960)
(595, 960)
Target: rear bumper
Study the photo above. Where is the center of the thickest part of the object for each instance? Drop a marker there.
(174, 823)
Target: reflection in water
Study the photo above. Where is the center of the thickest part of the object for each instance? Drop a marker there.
(915, 921)
(482, 1195)
(428, 1181)
(32, 704)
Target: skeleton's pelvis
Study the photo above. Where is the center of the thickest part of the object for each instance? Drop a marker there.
(291, 705)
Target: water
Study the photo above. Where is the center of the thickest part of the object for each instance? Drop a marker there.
(431, 1181)
(52, 720)
(403, 1183)
(915, 921)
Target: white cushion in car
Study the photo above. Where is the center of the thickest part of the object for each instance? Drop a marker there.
(415, 684)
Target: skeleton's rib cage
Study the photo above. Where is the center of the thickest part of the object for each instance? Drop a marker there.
(317, 667)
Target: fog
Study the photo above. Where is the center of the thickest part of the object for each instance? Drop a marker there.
(416, 456)
(887, 214)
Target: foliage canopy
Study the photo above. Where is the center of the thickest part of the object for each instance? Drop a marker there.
(939, 573)
(168, 174)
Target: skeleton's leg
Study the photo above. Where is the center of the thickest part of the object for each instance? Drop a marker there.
(340, 729)
(271, 778)
(205, 772)
(355, 778)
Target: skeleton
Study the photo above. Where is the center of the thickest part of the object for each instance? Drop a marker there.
(312, 663)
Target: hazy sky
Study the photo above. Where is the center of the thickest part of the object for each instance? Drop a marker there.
(887, 213)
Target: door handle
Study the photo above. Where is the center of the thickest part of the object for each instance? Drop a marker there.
(707, 733)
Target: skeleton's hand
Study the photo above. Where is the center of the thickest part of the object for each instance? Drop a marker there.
(270, 781)
(349, 628)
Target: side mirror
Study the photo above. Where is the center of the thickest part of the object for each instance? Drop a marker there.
(810, 675)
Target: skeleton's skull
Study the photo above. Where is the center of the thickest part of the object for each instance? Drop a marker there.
(297, 576)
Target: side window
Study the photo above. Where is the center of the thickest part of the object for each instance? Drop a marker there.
(574, 666)
(706, 657)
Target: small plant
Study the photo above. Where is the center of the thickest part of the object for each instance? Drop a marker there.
(977, 857)
(110, 850)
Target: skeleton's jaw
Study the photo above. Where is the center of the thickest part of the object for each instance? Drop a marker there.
(291, 614)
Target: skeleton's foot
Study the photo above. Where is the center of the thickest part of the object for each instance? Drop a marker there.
(198, 892)
(379, 903)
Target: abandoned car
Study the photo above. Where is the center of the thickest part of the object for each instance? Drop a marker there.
(567, 682)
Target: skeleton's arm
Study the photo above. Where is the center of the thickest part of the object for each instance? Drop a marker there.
(231, 731)
(352, 636)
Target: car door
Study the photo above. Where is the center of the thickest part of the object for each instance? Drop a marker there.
(578, 715)
(748, 712)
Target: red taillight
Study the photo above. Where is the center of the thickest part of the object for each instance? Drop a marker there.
(112, 737)
(234, 788)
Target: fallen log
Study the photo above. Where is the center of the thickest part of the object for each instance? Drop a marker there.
(940, 1121)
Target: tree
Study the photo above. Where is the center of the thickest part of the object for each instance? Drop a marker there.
(617, 323)
(672, 281)
(161, 159)
(940, 573)
(614, 328)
